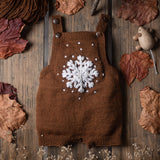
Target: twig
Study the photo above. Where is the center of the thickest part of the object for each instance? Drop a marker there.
(94, 7)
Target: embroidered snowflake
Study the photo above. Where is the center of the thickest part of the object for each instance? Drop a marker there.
(80, 74)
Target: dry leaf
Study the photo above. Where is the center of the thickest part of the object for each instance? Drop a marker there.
(135, 65)
(11, 117)
(150, 115)
(138, 12)
(69, 6)
(10, 41)
(6, 88)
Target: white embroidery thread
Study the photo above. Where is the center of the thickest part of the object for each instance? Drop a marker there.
(80, 74)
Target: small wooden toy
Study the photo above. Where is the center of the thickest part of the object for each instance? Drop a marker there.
(146, 42)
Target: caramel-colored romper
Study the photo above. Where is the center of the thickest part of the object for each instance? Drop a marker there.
(79, 93)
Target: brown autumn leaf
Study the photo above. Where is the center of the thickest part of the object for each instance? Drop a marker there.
(11, 117)
(6, 88)
(69, 7)
(138, 12)
(135, 65)
(10, 41)
(150, 115)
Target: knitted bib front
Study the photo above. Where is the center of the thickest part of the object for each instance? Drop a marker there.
(79, 98)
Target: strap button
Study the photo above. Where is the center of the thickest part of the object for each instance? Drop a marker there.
(98, 34)
(56, 21)
(58, 35)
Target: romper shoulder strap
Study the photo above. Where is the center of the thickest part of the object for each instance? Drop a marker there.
(103, 23)
(57, 23)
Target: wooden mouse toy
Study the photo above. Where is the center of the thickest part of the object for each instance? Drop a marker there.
(146, 42)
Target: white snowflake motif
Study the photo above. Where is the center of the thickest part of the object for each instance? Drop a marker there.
(80, 74)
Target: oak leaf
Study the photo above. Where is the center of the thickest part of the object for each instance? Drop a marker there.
(135, 65)
(69, 7)
(138, 12)
(150, 115)
(10, 41)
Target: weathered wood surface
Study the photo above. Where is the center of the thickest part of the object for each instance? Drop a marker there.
(22, 71)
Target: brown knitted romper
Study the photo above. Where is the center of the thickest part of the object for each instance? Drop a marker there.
(79, 93)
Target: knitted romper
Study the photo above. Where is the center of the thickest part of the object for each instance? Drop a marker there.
(79, 97)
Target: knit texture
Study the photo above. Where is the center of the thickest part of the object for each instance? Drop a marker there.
(30, 11)
(79, 98)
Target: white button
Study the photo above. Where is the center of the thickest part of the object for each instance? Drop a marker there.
(81, 49)
(64, 66)
(67, 45)
(92, 44)
(96, 59)
(64, 90)
(57, 74)
(65, 56)
(79, 43)
(79, 98)
(72, 56)
(95, 92)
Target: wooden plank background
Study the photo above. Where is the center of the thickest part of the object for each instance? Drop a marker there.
(22, 71)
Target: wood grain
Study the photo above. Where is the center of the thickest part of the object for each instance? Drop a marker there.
(22, 71)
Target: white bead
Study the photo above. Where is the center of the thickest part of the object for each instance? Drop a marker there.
(62, 80)
(87, 58)
(67, 45)
(64, 66)
(41, 135)
(92, 44)
(65, 56)
(79, 43)
(57, 74)
(96, 59)
(81, 49)
(72, 56)
(72, 91)
(64, 90)
(103, 74)
(96, 80)
(79, 98)
(95, 92)
(87, 91)
(94, 66)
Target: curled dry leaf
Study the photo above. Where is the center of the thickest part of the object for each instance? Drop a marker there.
(150, 115)
(69, 7)
(10, 41)
(135, 65)
(11, 117)
(138, 12)
(11, 114)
